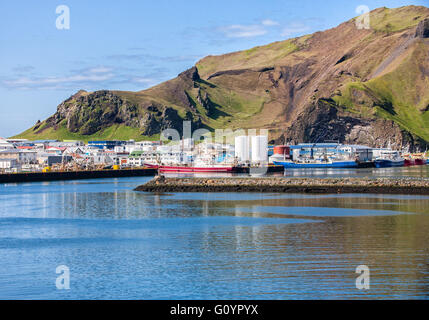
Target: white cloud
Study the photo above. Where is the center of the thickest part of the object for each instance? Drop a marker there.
(243, 31)
(147, 81)
(25, 81)
(23, 69)
(270, 23)
(100, 70)
(88, 78)
(251, 30)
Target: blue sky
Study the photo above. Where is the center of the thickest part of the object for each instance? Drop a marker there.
(134, 44)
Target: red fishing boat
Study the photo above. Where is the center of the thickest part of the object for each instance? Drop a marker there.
(418, 159)
(152, 166)
(191, 169)
(409, 162)
(420, 162)
(185, 169)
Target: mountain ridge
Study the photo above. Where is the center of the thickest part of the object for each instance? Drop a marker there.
(347, 84)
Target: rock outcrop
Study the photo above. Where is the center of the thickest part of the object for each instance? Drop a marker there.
(423, 29)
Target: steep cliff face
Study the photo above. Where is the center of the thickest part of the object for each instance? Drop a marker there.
(348, 84)
(423, 29)
(323, 121)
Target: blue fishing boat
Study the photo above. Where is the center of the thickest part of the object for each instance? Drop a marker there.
(317, 164)
(382, 163)
(388, 159)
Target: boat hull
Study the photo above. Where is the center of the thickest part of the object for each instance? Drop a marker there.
(368, 164)
(420, 162)
(180, 169)
(389, 163)
(409, 162)
(152, 166)
(339, 164)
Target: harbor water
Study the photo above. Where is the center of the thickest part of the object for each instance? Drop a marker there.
(122, 244)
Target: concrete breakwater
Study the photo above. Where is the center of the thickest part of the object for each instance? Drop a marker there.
(288, 185)
(74, 175)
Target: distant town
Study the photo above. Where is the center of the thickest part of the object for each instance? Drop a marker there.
(21, 155)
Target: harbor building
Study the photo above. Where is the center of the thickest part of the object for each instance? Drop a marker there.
(106, 144)
(21, 156)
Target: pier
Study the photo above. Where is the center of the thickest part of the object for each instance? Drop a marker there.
(162, 184)
(75, 175)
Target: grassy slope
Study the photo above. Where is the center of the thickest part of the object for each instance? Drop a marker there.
(232, 106)
(393, 20)
(404, 89)
(116, 132)
(258, 57)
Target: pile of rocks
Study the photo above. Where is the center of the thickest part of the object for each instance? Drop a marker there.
(290, 185)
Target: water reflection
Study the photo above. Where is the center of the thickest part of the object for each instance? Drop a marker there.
(122, 244)
(398, 172)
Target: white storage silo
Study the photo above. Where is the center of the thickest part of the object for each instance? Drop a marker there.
(242, 151)
(259, 148)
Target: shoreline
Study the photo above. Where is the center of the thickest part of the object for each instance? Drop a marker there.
(161, 184)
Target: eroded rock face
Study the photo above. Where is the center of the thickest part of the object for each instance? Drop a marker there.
(323, 122)
(89, 113)
(190, 74)
(423, 29)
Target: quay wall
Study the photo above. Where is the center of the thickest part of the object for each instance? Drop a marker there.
(75, 175)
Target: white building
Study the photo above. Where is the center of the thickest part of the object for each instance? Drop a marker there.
(141, 158)
(360, 153)
(21, 156)
(66, 144)
(4, 145)
(74, 151)
(102, 159)
(8, 164)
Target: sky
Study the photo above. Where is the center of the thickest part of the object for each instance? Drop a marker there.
(135, 44)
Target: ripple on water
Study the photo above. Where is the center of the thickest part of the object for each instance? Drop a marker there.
(318, 211)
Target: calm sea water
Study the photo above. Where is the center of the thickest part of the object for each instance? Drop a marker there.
(121, 244)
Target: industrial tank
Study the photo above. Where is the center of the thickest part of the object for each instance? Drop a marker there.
(259, 148)
(282, 150)
(242, 152)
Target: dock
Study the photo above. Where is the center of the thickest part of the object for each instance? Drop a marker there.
(75, 175)
(161, 184)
